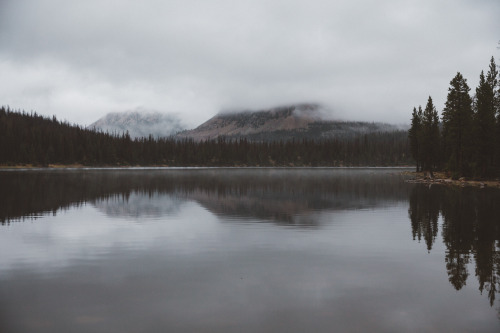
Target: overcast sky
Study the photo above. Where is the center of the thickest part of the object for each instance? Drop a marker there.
(365, 60)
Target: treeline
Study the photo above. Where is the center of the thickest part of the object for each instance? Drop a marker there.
(466, 142)
(28, 138)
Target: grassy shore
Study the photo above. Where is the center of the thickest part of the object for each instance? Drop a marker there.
(445, 179)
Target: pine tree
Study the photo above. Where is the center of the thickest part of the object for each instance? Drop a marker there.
(420, 133)
(457, 121)
(430, 137)
(497, 112)
(414, 136)
(484, 120)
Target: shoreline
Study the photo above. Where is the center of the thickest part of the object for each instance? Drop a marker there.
(441, 178)
(82, 166)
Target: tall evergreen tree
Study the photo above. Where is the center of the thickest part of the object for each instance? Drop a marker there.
(420, 151)
(430, 137)
(497, 112)
(414, 134)
(493, 78)
(457, 121)
(484, 120)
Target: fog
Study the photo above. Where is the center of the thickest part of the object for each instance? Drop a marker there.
(363, 60)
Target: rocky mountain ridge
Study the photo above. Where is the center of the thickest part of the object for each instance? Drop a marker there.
(302, 121)
(298, 121)
(139, 124)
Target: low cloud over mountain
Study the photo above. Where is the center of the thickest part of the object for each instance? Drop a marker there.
(140, 124)
(299, 121)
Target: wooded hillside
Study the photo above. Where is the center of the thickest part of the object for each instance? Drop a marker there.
(28, 138)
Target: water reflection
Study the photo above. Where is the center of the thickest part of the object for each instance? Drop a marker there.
(138, 206)
(281, 196)
(470, 231)
(318, 250)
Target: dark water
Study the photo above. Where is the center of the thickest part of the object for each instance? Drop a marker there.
(245, 250)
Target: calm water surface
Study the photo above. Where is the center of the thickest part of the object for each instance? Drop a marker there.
(245, 250)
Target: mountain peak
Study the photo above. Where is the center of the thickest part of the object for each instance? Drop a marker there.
(244, 123)
(140, 123)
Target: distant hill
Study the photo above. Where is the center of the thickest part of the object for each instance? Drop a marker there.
(302, 121)
(139, 124)
(31, 139)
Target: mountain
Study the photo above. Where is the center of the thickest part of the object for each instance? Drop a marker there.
(301, 121)
(140, 124)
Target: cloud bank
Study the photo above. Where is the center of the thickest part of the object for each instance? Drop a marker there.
(365, 60)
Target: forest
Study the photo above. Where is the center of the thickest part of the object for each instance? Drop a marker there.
(466, 141)
(32, 139)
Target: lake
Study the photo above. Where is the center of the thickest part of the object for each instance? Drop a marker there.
(245, 250)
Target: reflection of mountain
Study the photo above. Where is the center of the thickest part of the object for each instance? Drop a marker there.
(138, 205)
(291, 200)
(470, 229)
(278, 195)
(275, 207)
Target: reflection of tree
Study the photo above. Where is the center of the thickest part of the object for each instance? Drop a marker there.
(488, 268)
(456, 266)
(487, 245)
(283, 196)
(458, 233)
(470, 229)
(424, 214)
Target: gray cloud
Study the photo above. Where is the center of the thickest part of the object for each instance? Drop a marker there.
(364, 59)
